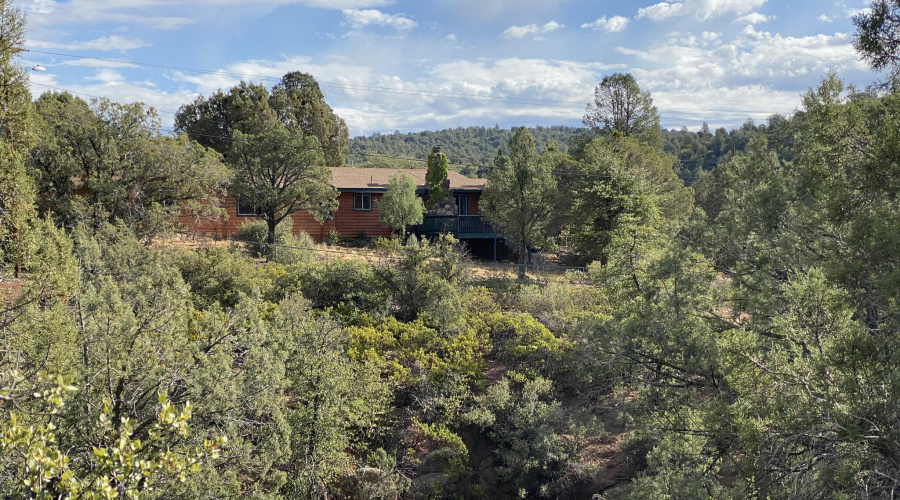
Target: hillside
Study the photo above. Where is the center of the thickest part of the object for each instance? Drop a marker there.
(471, 148)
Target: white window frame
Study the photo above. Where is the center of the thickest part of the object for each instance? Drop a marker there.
(362, 202)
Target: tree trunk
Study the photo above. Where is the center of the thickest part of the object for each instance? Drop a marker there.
(270, 239)
(522, 257)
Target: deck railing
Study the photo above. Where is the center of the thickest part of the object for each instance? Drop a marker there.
(457, 225)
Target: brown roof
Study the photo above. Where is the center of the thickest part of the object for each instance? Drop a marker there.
(349, 178)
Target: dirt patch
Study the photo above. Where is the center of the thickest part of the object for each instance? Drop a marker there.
(10, 289)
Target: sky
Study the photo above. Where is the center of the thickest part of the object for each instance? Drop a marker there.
(388, 65)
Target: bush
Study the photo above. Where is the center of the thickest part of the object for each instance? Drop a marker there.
(333, 237)
(255, 233)
(389, 246)
(294, 249)
(333, 282)
(520, 340)
(219, 275)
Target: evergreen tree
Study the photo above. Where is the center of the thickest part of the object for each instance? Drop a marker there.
(520, 195)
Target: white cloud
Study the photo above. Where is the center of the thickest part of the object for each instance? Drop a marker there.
(481, 10)
(450, 93)
(450, 38)
(367, 17)
(754, 18)
(611, 25)
(107, 75)
(855, 12)
(117, 90)
(105, 44)
(825, 19)
(100, 63)
(701, 9)
(515, 32)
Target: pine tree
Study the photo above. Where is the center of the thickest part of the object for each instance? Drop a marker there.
(16, 191)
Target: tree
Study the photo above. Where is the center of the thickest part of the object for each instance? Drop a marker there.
(295, 102)
(298, 101)
(281, 171)
(519, 197)
(627, 191)
(16, 189)
(211, 121)
(108, 161)
(620, 106)
(400, 207)
(877, 37)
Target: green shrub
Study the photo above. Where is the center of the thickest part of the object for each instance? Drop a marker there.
(220, 275)
(295, 248)
(520, 340)
(330, 283)
(255, 233)
(389, 246)
(333, 237)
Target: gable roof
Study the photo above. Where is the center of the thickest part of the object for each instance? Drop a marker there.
(376, 179)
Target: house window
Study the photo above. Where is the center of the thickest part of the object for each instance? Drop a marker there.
(245, 208)
(462, 202)
(362, 201)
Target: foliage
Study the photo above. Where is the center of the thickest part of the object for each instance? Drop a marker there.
(520, 340)
(298, 102)
(255, 235)
(16, 188)
(106, 161)
(424, 281)
(400, 207)
(333, 396)
(523, 422)
(620, 106)
(220, 276)
(627, 191)
(471, 149)
(435, 175)
(519, 196)
(281, 171)
(334, 282)
(877, 36)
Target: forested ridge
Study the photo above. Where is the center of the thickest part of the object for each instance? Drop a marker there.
(733, 334)
(472, 149)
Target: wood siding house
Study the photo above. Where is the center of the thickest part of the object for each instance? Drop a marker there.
(357, 213)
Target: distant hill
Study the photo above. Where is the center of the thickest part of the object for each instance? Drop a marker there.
(468, 149)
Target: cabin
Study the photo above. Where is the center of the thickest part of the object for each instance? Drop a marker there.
(359, 190)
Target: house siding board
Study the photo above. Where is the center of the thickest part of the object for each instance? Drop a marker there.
(347, 222)
(473, 199)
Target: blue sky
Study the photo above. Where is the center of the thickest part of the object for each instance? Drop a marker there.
(405, 65)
